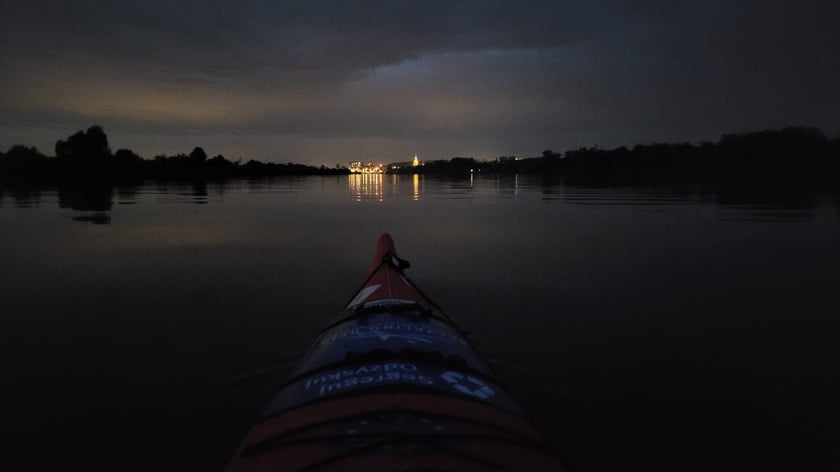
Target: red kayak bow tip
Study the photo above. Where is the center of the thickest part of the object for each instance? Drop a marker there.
(384, 246)
(385, 282)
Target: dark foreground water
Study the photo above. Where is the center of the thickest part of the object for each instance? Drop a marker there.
(642, 328)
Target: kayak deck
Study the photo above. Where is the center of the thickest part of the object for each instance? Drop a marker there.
(392, 384)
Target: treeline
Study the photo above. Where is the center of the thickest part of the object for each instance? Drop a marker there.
(801, 154)
(793, 152)
(793, 156)
(88, 154)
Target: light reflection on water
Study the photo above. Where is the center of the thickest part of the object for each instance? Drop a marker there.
(367, 186)
(658, 324)
(100, 197)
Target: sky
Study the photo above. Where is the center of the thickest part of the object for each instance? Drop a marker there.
(328, 82)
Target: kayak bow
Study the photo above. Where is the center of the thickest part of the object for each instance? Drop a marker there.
(392, 384)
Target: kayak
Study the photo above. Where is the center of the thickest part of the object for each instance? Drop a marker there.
(392, 383)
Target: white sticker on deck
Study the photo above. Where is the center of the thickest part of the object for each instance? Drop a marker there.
(468, 384)
(364, 293)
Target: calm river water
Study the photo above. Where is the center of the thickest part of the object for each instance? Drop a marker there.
(643, 328)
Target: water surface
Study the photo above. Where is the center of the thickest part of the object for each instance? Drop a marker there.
(651, 328)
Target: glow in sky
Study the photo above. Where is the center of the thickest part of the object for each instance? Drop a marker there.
(333, 81)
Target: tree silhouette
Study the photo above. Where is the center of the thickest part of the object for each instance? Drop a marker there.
(198, 156)
(91, 146)
(23, 154)
(97, 142)
(219, 161)
(23, 159)
(126, 156)
(86, 154)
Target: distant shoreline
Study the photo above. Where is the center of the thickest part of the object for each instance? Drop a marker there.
(793, 157)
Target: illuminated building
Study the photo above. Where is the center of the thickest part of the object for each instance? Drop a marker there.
(356, 167)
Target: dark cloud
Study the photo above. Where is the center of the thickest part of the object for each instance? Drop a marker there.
(373, 78)
(343, 36)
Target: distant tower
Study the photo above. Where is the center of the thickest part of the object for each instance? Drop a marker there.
(416, 161)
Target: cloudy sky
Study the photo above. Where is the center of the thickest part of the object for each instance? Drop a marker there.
(326, 82)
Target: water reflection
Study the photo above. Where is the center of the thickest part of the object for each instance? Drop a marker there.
(733, 203)
(86, 196)
(507, 186)
(415, 180)
(366, 187)
(190, 191)
(127, 193)
(96, 199)
(373, 187)
(199, 192)
(96, 218)
(26, 196)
